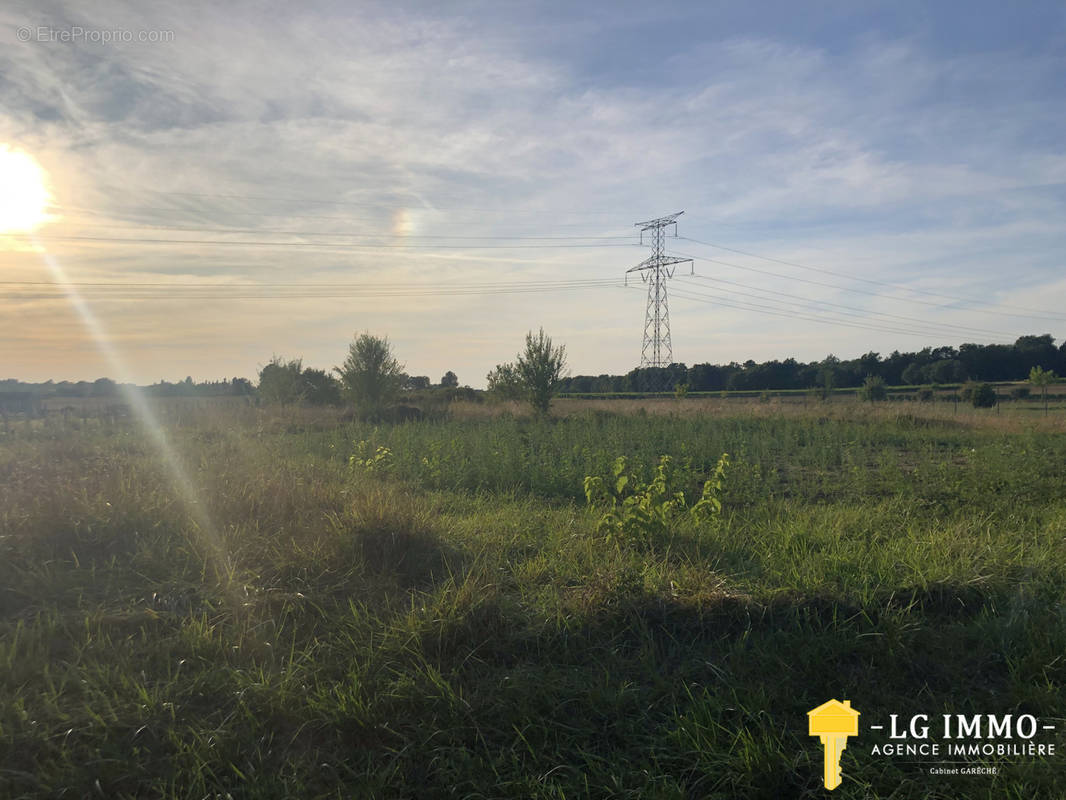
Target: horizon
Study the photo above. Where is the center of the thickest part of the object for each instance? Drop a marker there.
(435, 381)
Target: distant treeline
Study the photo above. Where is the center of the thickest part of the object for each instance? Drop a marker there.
(932, 365)
(105, 387)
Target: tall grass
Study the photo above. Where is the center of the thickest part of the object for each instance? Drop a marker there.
(448, 623)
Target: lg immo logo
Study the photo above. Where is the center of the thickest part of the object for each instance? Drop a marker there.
(943, 744)
(833, 723)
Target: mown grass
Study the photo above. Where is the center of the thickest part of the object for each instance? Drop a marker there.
(448, 623)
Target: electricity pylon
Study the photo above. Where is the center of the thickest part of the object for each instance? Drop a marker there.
(657, 350)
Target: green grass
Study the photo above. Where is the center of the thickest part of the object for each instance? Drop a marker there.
(449, 623)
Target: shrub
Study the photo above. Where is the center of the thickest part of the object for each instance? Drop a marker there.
(634, 511)
(982, 395)
(873, 389)
(925, 394)
(281, 381)
(504, 383)
(320, 388)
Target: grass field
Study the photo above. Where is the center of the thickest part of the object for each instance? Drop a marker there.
(443, 617)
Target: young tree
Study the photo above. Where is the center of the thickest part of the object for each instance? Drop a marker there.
(280, 381)
(540, 368)
(1043, 378)
(873, 389)
(503, 382)
(371, 375)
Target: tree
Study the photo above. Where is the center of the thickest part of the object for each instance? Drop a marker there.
(320, 388)
(449, 379)
(873, 388)
(371, 375)
(416, 382)
(241, 386)
(505, 383)
(828, 375)
(1042, 378)
(913, 373)
(279, 381)
(540, 368)
(982, 395)
(104, 387)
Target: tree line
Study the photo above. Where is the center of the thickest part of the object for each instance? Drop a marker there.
(105, 387)
(931, 365)
(372, 379)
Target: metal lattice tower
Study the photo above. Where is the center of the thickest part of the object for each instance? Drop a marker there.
(657, 350)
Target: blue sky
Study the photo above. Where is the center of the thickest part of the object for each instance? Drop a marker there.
(911, 151)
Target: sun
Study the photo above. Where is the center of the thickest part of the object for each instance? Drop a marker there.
(24, 195)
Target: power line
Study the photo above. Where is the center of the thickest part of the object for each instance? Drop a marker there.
(143, 225)
(711, 300)
(202, 291)
(306, 284)
(861, 311)
(928, 292)
(333, 245)
(202, 210)
(798, 315)
(838, 287)
(275, 232)
(811, 313)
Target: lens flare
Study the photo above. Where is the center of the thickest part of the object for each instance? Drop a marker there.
(204, 530)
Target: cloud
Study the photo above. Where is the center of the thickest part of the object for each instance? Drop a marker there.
(880, 156)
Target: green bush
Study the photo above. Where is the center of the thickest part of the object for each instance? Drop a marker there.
(634, 511)
(983, 395)
(281, 381)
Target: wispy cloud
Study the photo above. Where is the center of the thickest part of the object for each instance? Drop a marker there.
(880, 152)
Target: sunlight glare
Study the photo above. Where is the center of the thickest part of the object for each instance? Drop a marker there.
(24, 195)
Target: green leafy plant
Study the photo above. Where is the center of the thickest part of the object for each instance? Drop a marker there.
(379, 462)
(633, 510)
(710, 503)
(1042, 378)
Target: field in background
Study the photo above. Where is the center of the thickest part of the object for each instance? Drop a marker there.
(443, 619)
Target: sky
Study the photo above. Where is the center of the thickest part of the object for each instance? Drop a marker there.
(230, 182)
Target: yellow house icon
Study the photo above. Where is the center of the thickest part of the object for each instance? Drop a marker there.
(833, 722)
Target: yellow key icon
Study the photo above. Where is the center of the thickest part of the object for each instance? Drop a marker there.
(833, 722)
